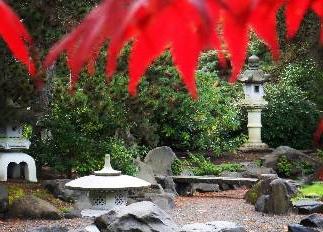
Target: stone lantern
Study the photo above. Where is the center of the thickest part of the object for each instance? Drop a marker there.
(105, 189)
(253, 79)
(11, 142)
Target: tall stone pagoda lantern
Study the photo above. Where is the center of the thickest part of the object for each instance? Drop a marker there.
(253, 79)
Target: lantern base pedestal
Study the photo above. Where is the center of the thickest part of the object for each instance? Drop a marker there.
(17, 158)
(254, 147)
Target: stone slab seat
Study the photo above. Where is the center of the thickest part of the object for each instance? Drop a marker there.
(17, 158)
(214, 180)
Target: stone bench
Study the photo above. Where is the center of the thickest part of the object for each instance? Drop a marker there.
(186, 185)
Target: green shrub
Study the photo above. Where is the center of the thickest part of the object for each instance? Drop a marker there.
(308, 76)
(290, 118)
(292, 169)
(177, 167)
(284, 166)
(201, 166)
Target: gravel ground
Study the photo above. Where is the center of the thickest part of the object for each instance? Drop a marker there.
(201, 208)
(228, 206)
(25, 225)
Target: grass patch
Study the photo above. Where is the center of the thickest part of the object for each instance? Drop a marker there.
(20, 189)
(313, 191)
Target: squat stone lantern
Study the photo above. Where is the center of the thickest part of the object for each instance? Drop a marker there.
(11, 142)
(105, 189)
(253, 79)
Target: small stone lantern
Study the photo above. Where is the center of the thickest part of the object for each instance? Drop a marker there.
(253, 79)
(11, 142)
(105, 189)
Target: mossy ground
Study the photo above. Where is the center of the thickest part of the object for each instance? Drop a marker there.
(19, 189)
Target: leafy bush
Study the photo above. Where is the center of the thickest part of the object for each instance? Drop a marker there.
(292, 169)
(308, 76)
(81, 130)
(201, 166)
(284, 166)
(290, 118)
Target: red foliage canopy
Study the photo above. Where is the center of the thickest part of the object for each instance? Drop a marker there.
(185, 26)
(16, 36)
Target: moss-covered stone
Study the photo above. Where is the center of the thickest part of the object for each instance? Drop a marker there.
(253, 194)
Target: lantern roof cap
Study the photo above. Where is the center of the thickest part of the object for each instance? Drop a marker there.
(107, 179)
(253, 74)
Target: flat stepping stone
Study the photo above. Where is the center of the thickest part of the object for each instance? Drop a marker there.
(309, 206)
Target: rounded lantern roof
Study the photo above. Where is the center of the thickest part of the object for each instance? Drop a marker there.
(107, 179)
(253, 74)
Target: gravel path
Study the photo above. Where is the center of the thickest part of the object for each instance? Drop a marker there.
(24, 225)
(222, 206)
(228, 206)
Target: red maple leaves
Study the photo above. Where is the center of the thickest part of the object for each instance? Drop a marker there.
(16, 36)
(186, 27)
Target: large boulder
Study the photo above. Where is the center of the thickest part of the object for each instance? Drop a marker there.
(216, 226)
(140, 217)
(271, 195)
(31, 207)
(262, 187)
(279, 201)
(270, 160)
(57, 188)
(4, 200)
(309, 206)
(145, 172)
(161, 159)
(314, 220)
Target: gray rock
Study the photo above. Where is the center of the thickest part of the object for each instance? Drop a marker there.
(140, 217)
(205, 187)
(216, 226)
(256, 172)
(279, 201)
(164, 201)
(49, 229)
(271, 196)
(161, 159)
(57, 188)
(292, 186)
(167, 184)
(314, 220)
(74, 213)
(32, 207)
(4, 199)
(300, 228)
(145, 172)
(270, 160)
(262, 204)
(225, 187)
(309, 207)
